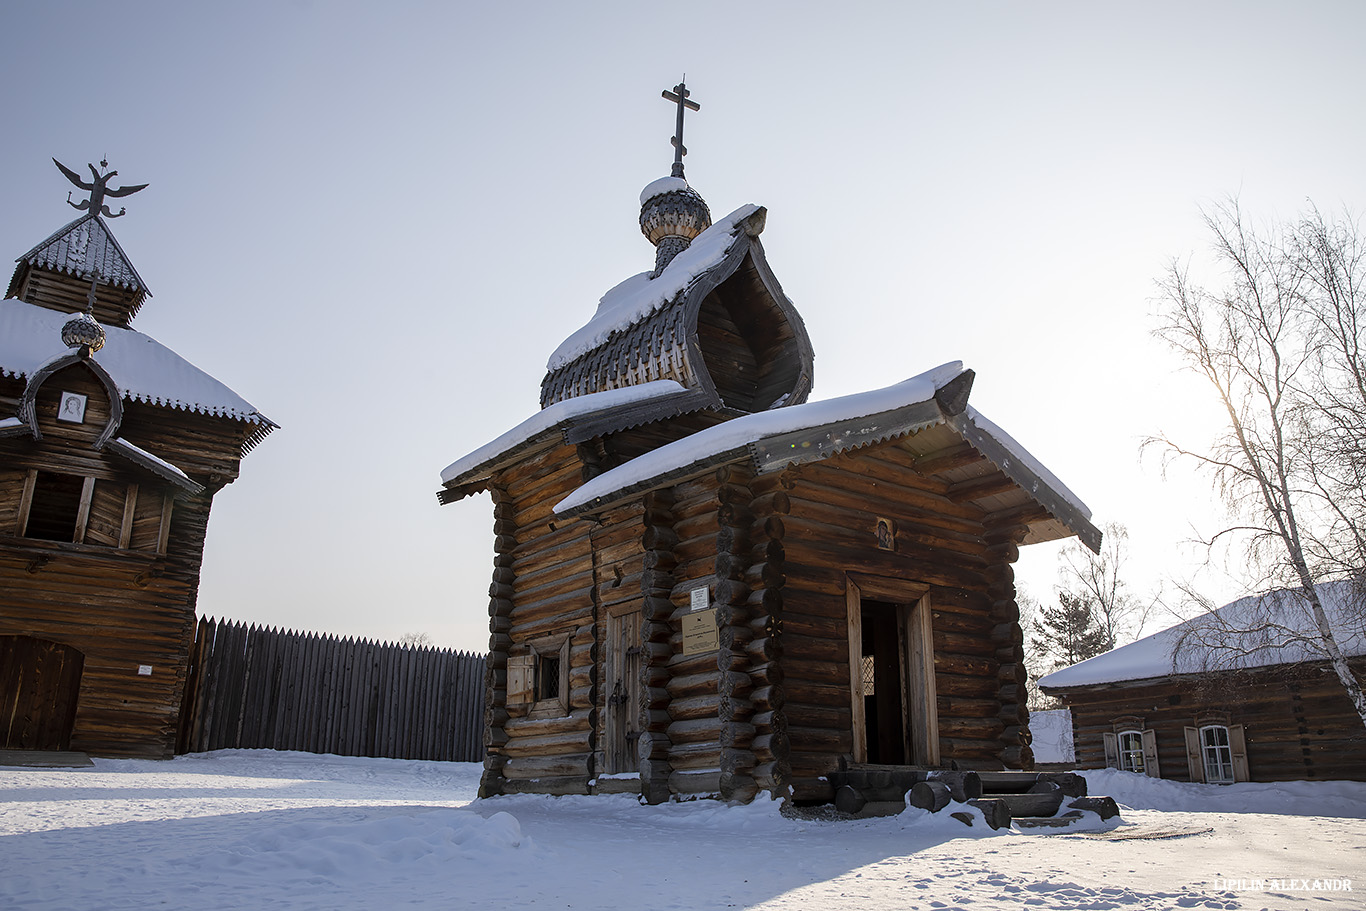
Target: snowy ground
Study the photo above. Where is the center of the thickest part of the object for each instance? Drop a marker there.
(260, 829)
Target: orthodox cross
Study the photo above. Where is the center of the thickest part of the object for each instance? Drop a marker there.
(98, 189)
(680, 97)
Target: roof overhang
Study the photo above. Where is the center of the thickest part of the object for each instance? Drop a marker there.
(772, 441)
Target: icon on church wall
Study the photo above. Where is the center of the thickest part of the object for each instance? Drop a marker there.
(72, 408)
(886, 534)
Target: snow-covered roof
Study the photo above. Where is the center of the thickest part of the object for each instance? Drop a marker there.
(155, 464)
(1026, 458)
(639, 296)
(1256, 631)
(705, 446)
(86, 247)
(550, 418)
(143, 369)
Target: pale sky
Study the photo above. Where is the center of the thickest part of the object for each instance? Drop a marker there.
(376, 222)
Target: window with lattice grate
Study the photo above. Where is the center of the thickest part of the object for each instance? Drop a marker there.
(869, 676)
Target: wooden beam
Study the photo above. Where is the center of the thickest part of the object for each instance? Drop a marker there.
(26, 501)
(978, 488)
(83, 511)
(130, 504)
(167, 503)
(958, 456)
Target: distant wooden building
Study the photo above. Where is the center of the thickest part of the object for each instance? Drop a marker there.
(705, 585)
(111, 449)
(1272, 713)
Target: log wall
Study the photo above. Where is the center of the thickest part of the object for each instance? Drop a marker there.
(122, 604)
(830, 531)
(1298, 723)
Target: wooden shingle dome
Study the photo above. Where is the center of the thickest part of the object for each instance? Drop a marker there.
(714, 319)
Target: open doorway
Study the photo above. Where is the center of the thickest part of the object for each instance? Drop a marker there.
(892, 689)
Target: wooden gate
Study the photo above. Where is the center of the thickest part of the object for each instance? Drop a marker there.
(39, 685)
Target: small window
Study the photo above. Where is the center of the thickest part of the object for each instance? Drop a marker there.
(55, 506)
(1131, 751)
(1217, 753)
(548, 676)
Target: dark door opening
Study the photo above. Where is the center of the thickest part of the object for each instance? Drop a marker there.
(883, 705)
(39, 685)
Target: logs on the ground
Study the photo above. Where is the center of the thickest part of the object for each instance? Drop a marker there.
(930, 795)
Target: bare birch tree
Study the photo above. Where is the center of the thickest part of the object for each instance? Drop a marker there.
(1098, 578)
(1279, 345)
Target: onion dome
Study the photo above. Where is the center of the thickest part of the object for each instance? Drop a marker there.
(671, 215)
(81, 331)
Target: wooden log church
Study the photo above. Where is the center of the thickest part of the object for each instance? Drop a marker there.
(111, 449)
(705, 585)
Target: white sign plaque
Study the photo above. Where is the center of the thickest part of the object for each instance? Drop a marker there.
(701, 599)
(144, 670)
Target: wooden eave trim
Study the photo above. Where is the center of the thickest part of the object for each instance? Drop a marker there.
(572, 431)
(125, 449)
(818, 443)
(477, 478)
(448, 495)
(667, 479)
(635, 415)
(1039, 490)
(16, 430)
(1305, 666)
(27, 402)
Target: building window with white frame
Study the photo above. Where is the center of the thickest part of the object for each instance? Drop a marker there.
(1217, 753)
(1131, 751)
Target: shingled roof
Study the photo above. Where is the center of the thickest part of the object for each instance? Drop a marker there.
(85, 248)
(713, 299)
(143, 369)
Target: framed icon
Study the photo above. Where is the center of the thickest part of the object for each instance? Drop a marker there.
(886, 534)
(72, 408)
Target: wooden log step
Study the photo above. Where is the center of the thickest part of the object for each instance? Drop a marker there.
(1105, 806)
(930, 795)
(1041, 822)
(996, 811)
(1046, 804)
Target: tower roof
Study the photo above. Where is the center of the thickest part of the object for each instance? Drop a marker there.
(70, 258)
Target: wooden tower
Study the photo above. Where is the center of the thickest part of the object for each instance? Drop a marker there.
(705, 585)
(111, 449)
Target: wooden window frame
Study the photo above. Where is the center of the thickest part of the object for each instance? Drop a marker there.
(125, 535)
(1115, 752)
(1197, 749)
(1130, 751)
(542, 651)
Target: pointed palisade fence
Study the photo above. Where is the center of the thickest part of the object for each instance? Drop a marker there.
(255, 688)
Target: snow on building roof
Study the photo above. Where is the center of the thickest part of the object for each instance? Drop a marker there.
(143, 369)
(551, 418)
(738, 434)
(85, 247)
(1026, 458)
(1256, 631)
(638, 296)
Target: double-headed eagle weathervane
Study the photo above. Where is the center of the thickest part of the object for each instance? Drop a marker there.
(98, 189)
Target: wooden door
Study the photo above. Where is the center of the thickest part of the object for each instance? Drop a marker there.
(622, 685)
(894, 715)
(39, 685)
